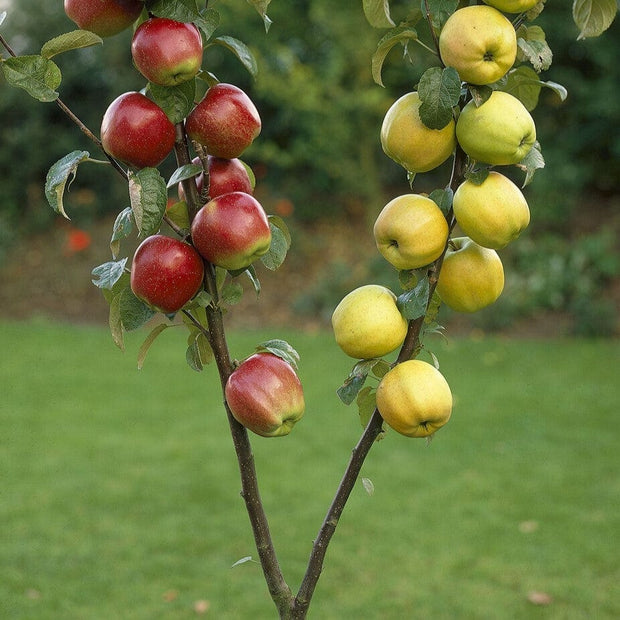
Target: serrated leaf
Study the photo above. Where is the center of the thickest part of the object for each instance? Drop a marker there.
(134, 312)
(58, 176)
(533, 161)
(107, 275)
(278, 248)
(440, 91)
(261, 8)
(148, 197)
(38, 76)
(176, 101)
(77, 39)
(399, 35)
(369, 487)
(412, 304)
(377, 13)
(240, 50)
(593, 17)
(123, 225)
(349, 390)
(538, 53)
(186, 171)
(282, 349)
(148, 341)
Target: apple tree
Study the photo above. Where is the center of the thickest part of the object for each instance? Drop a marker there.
(470, 113)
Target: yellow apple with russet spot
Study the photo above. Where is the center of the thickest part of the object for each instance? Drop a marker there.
(480, 43)
(414, 399)
(411, 231)
(499, 132)
(367, 322)
(471, 277)
(409, 142)
(492, 213)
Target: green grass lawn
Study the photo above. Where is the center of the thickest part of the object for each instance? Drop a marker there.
(119, 494)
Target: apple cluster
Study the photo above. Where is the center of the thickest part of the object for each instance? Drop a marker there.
(229, 228)
(412, 231)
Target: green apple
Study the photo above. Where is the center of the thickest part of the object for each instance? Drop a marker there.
(499, 132)
(471, 277)
(411, 231)
(492, 213)
(414, 399)
(367, 322)
(512, 6)
(479, 42)
(409, 142)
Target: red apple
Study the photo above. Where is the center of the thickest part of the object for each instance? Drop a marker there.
(166, 273)
(265, 395)
(167, 52)
(225, 176)
(104, 17)
(225, 121)
(231, 231)
(137, 131)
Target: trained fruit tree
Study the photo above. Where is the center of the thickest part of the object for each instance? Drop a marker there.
(469, 112)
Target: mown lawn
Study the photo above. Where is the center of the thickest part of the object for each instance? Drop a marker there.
(119, 494)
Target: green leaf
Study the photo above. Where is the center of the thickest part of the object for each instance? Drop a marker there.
(377, 13)
(134, 313)
(251, 274)
(76, 39)
(38, 76)
(232, 293)
(525, 85)
(443, 199)
(146, 345)
(199, 352)
(176, 101)
(179, 10)
(114, 322)
(352, 385)
(280, 243)
(261, 7)
(184, 172)
(282, 349)
(380, 369)
(123, 225)
(593, 17)
(412, 304)
(178, 214)
(533, 47)
(440, 91)
(533, 161)
(58, 176)
(407, 279)
(240, 50)
(479, 94)
(440, 10)
(208, 22)
(366, 404)
(478, 175)
(148, 196)
(400, 35)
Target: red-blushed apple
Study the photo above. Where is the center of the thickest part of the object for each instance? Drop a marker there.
(231, 231)
(137, 131)
(166, 273)
(225, 121)
(265, 395)
(104, 17)
(225, 176)
(167, 52)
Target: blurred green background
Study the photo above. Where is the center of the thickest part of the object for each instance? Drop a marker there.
(319, 162)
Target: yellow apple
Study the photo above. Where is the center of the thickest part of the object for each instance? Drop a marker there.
(499, 132)
(409, 142)
(512, 6)
(479, 42)
(471, 277)
(367, 322)
(414, 399)
(411, 231)
(493, 213)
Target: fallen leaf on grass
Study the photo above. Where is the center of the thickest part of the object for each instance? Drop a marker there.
(539, 598)
(202, 606)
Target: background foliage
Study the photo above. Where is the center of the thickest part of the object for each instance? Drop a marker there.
(319, 155)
